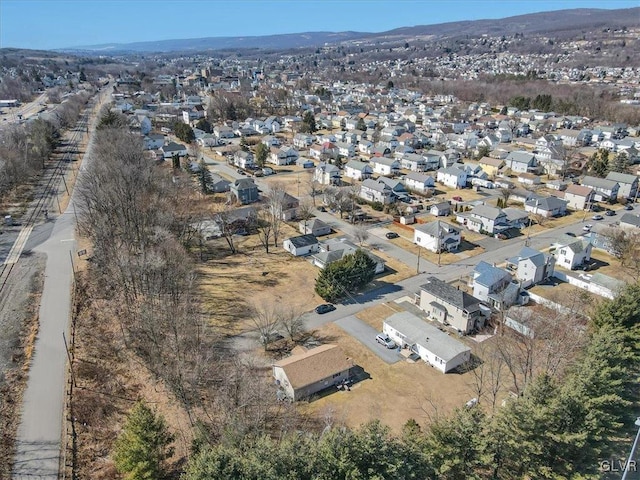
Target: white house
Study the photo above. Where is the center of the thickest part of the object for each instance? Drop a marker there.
(546, 206)
(420, 182)
(571, 252)
(375, 191)
(173, 148)
(433, 346)
(437, 236)
(531, 266)
(604, 190)
(153, 141)
(628, 184)
(521, 162)
(358, 170)
(327, 174)
(484, 218)
(385, 166)
(493, 286)
(301, 245)
(413, 162)
(452, 177)
(283, 156)
(579, 197)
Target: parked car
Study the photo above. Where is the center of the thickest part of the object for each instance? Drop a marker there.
(391, 235)
(628, 206)
(240, 171)
(587, 227)
(597, 217)
(322, 208)
(325, 308)
(609, 213)
(457, 198)
(383, 339)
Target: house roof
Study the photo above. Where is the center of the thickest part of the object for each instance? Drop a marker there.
(621, 177)
(630, 219)
(357, 165)
(244, 183)
(538, 258)
(547, 203)
(441, 205)
(599, 182)
(492, 162)
(315, 224)
(392, 183)
(314, 365)
(488, 275)
(486, 211)
(417, 331)
(521, 157)
(419, 177)
(173, 147)
(437, 227)
(579, 190)
(303, 240)
(451, 295)
(452, 171)
(376, 185)
(389, 162)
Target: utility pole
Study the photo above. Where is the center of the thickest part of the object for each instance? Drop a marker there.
(418, 264)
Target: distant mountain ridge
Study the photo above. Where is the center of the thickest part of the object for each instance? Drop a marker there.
(539, 23)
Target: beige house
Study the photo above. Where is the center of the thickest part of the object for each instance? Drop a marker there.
(578, 197)
(310, 371)
(491, 165)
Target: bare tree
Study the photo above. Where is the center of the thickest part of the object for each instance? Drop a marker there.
(305, 212)
(265, 317)
(625, 246)
(264, 226)
(275, 205)
(361, 234)
(313, 189)
(226, 223)
(291, 320)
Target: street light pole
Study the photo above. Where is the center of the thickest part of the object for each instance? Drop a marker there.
(633, 450)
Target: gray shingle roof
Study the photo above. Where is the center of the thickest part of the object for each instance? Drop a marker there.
(303, 240)
(450, 294)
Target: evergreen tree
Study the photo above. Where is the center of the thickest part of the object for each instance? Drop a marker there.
(344, 276)
(308, 122)
(361, 125)
(143, 445)
(262, 152)
(184, 132)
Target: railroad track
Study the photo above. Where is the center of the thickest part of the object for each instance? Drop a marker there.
(55, 170)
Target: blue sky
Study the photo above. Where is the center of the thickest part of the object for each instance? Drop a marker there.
(50, 24)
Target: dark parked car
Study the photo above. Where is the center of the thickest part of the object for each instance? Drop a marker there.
(628, 206)
(325, 308)
(609, 213)
(391, 235)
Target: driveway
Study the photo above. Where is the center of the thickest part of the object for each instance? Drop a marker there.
(366, 335)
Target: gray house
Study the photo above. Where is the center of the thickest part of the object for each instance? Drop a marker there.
(245, 190)
(546, 206)
(217, 184)
(314, 226)
(449, 305)
(521, 162)
(375, 191)
(493, 286)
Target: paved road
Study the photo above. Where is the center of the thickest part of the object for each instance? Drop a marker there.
(38, 444)
(366, 335)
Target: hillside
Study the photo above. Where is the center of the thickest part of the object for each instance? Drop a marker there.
(557, 23)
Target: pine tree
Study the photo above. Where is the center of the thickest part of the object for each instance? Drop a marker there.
(143, 445)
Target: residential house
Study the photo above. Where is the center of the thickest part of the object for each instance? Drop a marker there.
(327, 174)
(434, 160)
(358, 170)
(493, 286)
(244, 190)
(217, 184)
(491, 165)
(546, 206)
(528, 179)
(396, 186)
(306, 373)
(413, 162)
(450, 305)
(314, 226)
(484, 219)
(521, 162)
(432, 345)
(193, 114)
(302, 140)
(172, 148)
(440, 209)
(437, 236)
(571, 252)
(375, 191)
(287, 206)
(336, 248)
(630, 221)
(283, 156)
(243, 159)
(579, 197)
(420, 182)
(346, 150)
(531, 266)
(385, 166)
(366, 146)
(270, 141)
(153, 141)
(452, 177)
(301, 245)
(222, 131)
(628, 184)
(604, 190)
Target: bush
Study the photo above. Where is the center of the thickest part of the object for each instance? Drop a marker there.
(377, 206)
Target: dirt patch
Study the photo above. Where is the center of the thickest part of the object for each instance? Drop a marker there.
(19, 303)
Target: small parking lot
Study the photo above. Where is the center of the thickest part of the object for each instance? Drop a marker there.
(366, 335)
